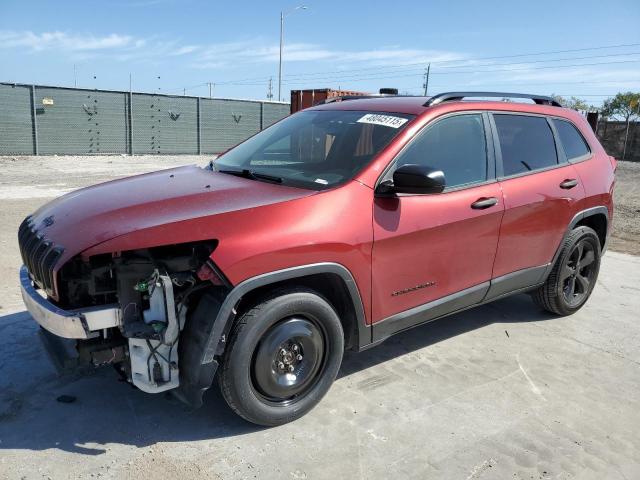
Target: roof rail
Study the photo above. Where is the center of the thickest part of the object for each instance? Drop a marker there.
(453, 96)
(342, 98)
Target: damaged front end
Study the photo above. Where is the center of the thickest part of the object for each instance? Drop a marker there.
(146, 312)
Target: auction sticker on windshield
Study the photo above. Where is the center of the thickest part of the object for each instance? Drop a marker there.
(386, 120)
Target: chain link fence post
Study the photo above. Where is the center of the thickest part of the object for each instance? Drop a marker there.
(261, 115)
(199, 126)
(130, 120)
(34, 120)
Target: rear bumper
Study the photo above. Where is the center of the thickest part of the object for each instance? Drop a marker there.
(79, 324)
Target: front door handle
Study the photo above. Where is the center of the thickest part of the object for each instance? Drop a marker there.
(484, 202)
(569, 183)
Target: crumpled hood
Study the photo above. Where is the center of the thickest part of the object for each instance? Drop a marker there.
(89, 216)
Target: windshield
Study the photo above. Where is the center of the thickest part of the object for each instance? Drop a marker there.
(314, 149)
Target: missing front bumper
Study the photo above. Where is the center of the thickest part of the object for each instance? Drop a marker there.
(78, 324)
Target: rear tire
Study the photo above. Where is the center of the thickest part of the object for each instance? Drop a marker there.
(574, 274)
(283, 355)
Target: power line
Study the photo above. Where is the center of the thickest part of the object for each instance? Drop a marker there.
(443, 62)
(413, 72)
(325, 75)
(376, 77)
(383, 69)
(177, 90)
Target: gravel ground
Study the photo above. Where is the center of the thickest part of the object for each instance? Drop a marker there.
(501, 391)
(626, 221)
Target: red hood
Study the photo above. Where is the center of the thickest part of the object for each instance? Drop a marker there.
(92, 215)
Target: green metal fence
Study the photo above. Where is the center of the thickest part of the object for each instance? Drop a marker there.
(40, 120)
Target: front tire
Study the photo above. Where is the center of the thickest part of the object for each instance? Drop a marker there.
(284, 354)
(574, 274)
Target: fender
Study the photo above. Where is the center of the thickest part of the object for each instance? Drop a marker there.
(225, 316)
(578, 217)
(533, 277)
(206, 341)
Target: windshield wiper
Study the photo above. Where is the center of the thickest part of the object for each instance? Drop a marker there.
(253, 175)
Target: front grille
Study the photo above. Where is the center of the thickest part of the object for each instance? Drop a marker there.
(39, 254)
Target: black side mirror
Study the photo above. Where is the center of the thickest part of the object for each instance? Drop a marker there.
(411, 178)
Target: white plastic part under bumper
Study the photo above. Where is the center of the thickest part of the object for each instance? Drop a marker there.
(81, 324)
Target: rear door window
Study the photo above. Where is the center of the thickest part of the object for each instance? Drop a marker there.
(526, 143)
(572, 141)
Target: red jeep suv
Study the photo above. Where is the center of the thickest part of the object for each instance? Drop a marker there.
(330, 230)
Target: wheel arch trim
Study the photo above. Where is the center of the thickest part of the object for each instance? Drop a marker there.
(227, 312)
(589, 212)
(577, 218)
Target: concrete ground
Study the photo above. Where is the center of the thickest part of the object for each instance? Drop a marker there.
(501, 391)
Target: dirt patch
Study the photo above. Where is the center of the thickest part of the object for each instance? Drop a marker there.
(626, 219)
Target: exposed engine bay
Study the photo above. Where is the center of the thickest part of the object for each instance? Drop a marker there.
(154, 290)
(154, 361)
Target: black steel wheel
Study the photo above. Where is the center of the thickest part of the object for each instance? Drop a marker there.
(574, 274)
(283, 355)
(288, 359)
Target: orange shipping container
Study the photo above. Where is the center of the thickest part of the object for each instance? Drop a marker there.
(301, 99)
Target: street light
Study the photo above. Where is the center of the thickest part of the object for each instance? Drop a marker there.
(282, 15)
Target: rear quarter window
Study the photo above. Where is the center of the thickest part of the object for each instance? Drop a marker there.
(573, 142)
(526, 143)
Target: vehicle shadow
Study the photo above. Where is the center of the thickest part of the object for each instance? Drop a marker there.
(107, 411)
(518, 308)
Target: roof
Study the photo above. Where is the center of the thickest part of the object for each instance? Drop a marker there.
(397, 104)
(415, 105)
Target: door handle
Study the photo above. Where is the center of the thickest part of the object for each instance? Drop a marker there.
(569, 183)
(484, 202)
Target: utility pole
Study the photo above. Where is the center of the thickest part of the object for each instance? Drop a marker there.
(75, 76)
(270, 89)
(426, 80)
(282, 15)
(130, 83)
(280, 61)
(184, 92)
(211, 85)
(626, 134)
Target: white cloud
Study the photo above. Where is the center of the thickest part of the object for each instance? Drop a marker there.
(185, 50)
(255, 51)
(64, 41)
(219, 55)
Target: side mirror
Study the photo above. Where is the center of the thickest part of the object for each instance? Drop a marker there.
(412, 178)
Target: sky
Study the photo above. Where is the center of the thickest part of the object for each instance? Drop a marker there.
(589, 49)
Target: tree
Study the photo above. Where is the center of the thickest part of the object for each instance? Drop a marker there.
(574, 102)
(624, 105)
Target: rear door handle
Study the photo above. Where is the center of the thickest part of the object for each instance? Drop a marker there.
(569, 183)
(484, 202)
